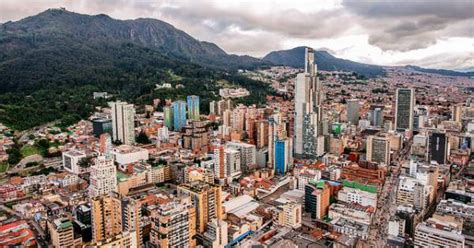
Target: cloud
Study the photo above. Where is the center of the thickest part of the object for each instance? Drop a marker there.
(373, 31)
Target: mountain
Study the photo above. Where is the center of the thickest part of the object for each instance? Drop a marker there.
(325, 61)
(440, 71)
(51, 63)
(52, 25)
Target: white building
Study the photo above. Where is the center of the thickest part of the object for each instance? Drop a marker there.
(439, 231)
(71, 161)
(216, 234)
(248, 154)
(103, 177)
(126, 154)
(358, 196)
(123, 122)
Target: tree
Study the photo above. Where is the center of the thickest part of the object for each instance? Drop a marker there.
(85, 162)
(142, 138)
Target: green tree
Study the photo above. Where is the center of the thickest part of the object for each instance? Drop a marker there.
(142, 138)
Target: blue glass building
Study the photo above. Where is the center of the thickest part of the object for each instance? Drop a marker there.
(281, 157)
(179, 115)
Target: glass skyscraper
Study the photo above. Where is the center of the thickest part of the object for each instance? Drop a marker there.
(193, 107)
(179, 115)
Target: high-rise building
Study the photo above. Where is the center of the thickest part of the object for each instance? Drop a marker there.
(220, 170)
(262, 133)
(131, 214)
(206, 200)
(179, 115)
(308, 112)
(290, 214)
(238, 118)
(456, 112)
(103, 176)
(106, 217)
(316, 199)
(378, 149)
(174, 224)
(105, 144)
(404, 109)
(353, 107)
(193, 107)
(232, 162)
(123, 122)
(216, 234)
(168, 117)
(100, 126)
(248, 154)
(376, 116)
(283, 160)
(62, 233)
(438, 147)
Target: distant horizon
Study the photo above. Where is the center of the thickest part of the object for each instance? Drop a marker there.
(430, 34)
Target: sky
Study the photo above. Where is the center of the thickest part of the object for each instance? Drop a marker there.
(428, 33)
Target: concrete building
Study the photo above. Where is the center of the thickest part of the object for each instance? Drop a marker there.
(316, 199)
(248, 154)
(378, 149)
(126, 154)
(404, 109)
(174, 224)
(290, 214)
(106, 215)
(412, 191)
(71, 161)
(308, 113)
(62, 233)
(216, 235)
(103, 177)
(353, 107)
(440, 231)
(206, 200)
(123, 122)
(364, 196)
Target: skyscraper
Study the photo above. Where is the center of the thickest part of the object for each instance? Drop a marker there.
(131, 214)
(353, 111)
(193, 107)
(308, 112)
(179, 115)
(283, 156)
(106, 217)
(207, 202)
(376, 116)
(168, 117)
(123, 118)
(438, 147)
(174, 224)
(404, 109)
(378, 149)
(103, 176)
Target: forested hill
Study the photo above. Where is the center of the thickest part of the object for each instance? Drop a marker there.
(52, 62)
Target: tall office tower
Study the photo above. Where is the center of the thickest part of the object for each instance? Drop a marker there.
(404, 109)
(220, 169)
(213, 107)
(262, 133)
(168, 117)
(227, 117)
(353, 108)
(131, 214)
(206, 200)
(193, 107)
(238, 118)
(248, 154)
(438, 147)
(106, 217)
(123, 122)
(103, 176)
(216, 234)
(456, 112)
(378, 149)
(376, 116)
(283, 160)
(179, 115)
(105, 144)
(100, 126)
(308, 112)
(62, 233)
(316, 199)
(173, 224)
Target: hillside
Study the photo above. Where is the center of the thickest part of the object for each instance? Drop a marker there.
(52, 62)
(325, 61)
